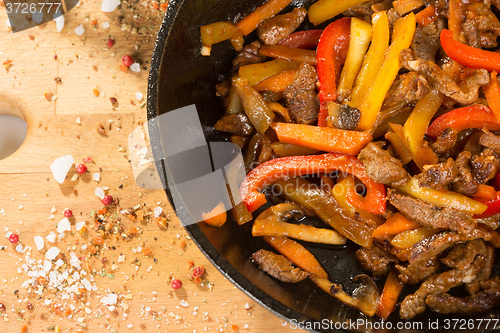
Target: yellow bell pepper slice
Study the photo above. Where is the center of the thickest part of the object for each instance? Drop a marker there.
(402, 35)
(324, 10)
(408, 238)
(420, 118)
(361, 33)
(255, 73)
(373, 60)
(442, 198)
(216, 32)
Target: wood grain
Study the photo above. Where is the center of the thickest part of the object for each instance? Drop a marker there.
(29, 192)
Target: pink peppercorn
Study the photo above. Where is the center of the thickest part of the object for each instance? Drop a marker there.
(128, 60)
(110, 43)
(198, 272)
(68, 213)
(176, 284)
(14, 238)
(107, 200)
(81, 168)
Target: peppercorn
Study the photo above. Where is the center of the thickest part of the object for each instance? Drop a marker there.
(14, 238)
(127, 60)
(110, 43)
(29, 306)
(176, 284)
(107, 200)
(68, 213)
(2, 307)
(81, 168)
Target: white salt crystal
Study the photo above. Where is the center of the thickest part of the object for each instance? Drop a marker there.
(79, 225)
(52, 253)
(79, 30)
(86, 284)
(139, 96)
(61, 166)
(74, 261)
(19, 248)
(158, 210)
(100, 193)
(51, 237)
(59, 263)
(59, 21)
(63, 225)
(105, 25)
(184, 303)
(135, 67)
(47, 265)
(110, 299)
(109, 5)
(97, 176)
(39, 242)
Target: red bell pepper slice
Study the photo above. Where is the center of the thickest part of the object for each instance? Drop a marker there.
(493, 207)
(293, 166)
(307, 39)
(476, 116)
(468, 55)
(331, 54)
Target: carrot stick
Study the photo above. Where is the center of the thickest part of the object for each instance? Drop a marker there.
(394, 225)
(298, 254)
(492, 94)
(278, 82)
(426, 16)
(217, 217)
(289, 53)
(387, 302)
(456, 16)
(250, 22)
(485, 193)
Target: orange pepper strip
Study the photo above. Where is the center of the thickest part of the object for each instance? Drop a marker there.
(217, 216)
(485, 193)
(278, 82)
(250, 22)
(298, 254)
(322, 138)
(427, 16)
(392, 289)
(394, 225)
(492, 94)
(289, 53)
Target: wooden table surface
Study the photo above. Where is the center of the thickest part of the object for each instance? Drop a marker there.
(29, 193)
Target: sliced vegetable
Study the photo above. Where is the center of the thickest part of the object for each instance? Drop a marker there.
(287, 167)
(456, 17)
(250, 22)
(307, 39)
(492, 94)
(492, 204)
(272, 222)
(324, 10)
(405, 6)
(255, 73)
(408, 238)
(298, 254)
(373, 60)
(467, 55)
(420, 118)
(485, 193)
(322, 138)
(322, 204)
(361, 33)
(217, 216)
(278, 82)
(237, 41)
(331, 54)
(281, 110)
(216, 32)
(254, 106)
(398, 143)
(394, 225)
(390, 294)
(241, 214)
(427, 16)
(287, 149)
(289, 53)
(402, 35)
(442, 198)
(475, 116)
(365, 296)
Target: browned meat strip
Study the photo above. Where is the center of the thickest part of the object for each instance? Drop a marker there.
(237, 124)
(491, 284)
(466, 93)
(275, 29)
(431, 216)
(491, 141)
(375, 260)
(489, 260)
(248, 55)
(445, 141)
(278, 266)
(222, 89)
(480, 302)
(301, 98)
(346, 117)
(465, 183)
(472, 145)
(438, 176)
(381, 166)
(481, 26)
(361, 10)
(459, 256)
(408, 87)
(414, 304)
(415, 272)
(484, 166)
(426, 40)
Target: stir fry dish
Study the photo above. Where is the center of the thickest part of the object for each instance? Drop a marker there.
(382, 121)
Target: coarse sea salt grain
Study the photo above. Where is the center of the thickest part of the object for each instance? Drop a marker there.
(184, 303)
(39, 242)
(100, 193)
(51, 237)
(105, 25)
(60, 167)
(109, 5)
(110, 299)
(139, 96)
(52, 253)
(79, 30)
(135, 67)
(63, 225)
(97, 176)
(79, 225)
(59, 18)
(158, 210)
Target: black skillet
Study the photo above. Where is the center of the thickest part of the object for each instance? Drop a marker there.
(179, 76)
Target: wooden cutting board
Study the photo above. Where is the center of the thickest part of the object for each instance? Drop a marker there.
(72, 68)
